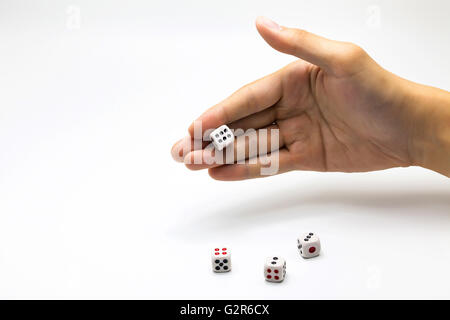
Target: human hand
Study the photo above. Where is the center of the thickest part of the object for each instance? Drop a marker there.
(336, 110)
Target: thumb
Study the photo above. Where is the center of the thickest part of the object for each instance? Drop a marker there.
(307, 46)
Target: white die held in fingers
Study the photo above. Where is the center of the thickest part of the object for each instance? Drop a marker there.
(275, 269)
(308, 245)
(221, 259)
(222, 137)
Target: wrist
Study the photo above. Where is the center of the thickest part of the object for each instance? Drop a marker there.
(430, 128)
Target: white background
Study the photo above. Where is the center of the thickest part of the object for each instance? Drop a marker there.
(92, 205)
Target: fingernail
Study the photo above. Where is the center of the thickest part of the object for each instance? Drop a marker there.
(269, 23)
(177, 152)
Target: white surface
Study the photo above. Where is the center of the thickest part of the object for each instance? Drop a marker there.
(92, 205)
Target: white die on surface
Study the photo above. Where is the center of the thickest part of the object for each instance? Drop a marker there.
(222, 137)
(308, 245)
(275, 269)
(221, 259)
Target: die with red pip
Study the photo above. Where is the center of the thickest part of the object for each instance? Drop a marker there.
(275, 269)
(308, 245)
(221, 259)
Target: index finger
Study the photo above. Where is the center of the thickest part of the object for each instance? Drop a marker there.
(250, 99)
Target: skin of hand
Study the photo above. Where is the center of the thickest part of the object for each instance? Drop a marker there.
(336, 110)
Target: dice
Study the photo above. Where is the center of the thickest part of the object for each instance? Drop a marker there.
(308, 245)
(221, 259)
(222, 137)
(275, 269)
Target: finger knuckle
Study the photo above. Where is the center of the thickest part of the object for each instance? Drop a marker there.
(355, 52)
(300, 34)
(252, 97)
(350, 57)
(296, 37)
